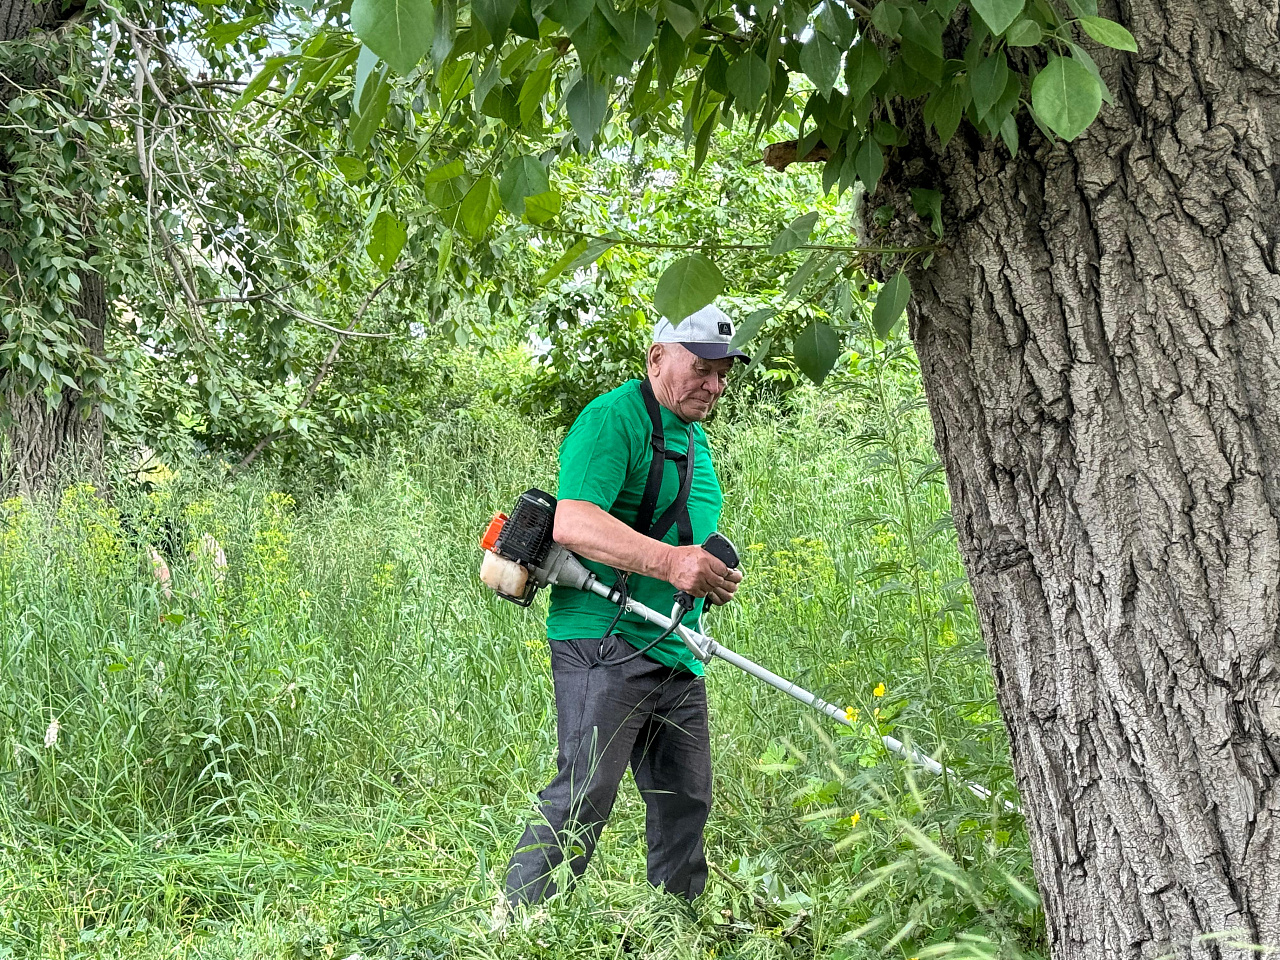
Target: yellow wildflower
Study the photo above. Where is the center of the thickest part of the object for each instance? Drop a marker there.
(851, 714)
(755, 546)
(879, 690)
(853, 820)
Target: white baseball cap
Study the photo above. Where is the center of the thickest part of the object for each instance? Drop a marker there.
(706, 334)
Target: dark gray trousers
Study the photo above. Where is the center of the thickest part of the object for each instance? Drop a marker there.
(609, 715)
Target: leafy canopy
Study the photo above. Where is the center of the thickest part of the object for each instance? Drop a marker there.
(856, 83)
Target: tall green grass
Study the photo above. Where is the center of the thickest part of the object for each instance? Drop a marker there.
(332, 750)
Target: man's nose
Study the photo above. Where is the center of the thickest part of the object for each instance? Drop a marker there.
(715, 386)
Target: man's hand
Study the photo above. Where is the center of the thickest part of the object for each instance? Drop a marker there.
(699, 574)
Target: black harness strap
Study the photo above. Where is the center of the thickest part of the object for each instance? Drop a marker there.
(678, 512)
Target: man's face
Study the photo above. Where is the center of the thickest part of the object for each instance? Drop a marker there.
(686, 384)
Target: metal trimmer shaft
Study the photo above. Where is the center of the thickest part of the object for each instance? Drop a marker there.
(704, 648)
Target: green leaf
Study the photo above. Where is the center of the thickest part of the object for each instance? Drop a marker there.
(350, 168)
(802, 276)
(596, 246)
(453, 79)
(862, 68)
(760, 356)
(542, 207)
(454, 168)
(820, 60)
(1024, 33)
(1066, 97)
(365, 62)
(495, 17)
(372, 110)
(816, 351)
(946, 107)
(592, 37)
(997, 14)
(922, 32)
(446, 24)
(1083, 8)
(687, 286)
(748, 328)
(749, 79)
(887, 18)
(635, 27)
(386, 240)
(671, 55)
(703, 140)
(570, 13)
(399, 31)
(987, 82)
(834, 21)
(587, 103)
(445, 254)
(1109, 33)
(575, 250)
(869, 164)
(223, 33)
(480, 206)
(483, 79)
(794, 233)
(1081, 55)
(532, 93)
(714, 71)
(928, 204)
(524, 177)
(523, 22)
(1009, 134)
(260, 82)
(891, 300)
(681, 18)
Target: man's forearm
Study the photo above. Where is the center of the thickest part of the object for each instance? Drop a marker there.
(597, 535)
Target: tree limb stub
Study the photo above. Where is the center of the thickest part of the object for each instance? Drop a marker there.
(782, 154)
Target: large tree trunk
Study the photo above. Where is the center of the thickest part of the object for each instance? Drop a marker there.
(1099, 350)
(41, 437)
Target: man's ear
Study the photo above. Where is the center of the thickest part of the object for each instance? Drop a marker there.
(654, 358)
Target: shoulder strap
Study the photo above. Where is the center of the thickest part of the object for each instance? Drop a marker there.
(657, 440)
(678, 512)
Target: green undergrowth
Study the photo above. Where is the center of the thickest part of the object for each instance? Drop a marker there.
(328, 750)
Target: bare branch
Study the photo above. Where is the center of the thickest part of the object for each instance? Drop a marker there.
(321, 372)
(106, 61)
(782, 154)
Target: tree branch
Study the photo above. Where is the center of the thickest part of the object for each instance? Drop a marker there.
(321, 372)
(782, 154)
(715, 245)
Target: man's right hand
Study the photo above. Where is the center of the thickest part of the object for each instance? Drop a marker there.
(699, 574)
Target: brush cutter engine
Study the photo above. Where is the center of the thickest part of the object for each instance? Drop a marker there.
(520, 557)
(517, 545)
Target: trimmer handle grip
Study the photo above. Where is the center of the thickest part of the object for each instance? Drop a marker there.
(720, 547)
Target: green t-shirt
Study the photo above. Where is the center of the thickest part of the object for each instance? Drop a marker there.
(605, 460)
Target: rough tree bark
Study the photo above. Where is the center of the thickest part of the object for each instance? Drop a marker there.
(39, 437)
(1098, 344)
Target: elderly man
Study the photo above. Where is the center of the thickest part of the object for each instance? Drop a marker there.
(638, 493)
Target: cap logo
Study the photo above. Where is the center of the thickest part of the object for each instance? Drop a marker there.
(726, 329)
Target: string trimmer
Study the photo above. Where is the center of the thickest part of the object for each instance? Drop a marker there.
(520, 558)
